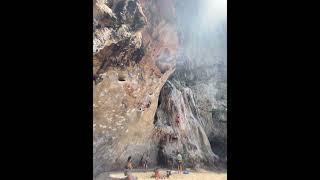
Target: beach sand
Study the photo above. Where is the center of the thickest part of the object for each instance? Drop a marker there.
(193, 175)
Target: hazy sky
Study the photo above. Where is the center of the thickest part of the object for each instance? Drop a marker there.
(204, 27)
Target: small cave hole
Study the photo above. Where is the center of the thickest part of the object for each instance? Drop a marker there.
(174, 138)
(159, 103)
(121, 78)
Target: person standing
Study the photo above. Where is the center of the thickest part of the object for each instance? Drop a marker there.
(161, 157)
(129, 164)
(145, 163)
(179, 158)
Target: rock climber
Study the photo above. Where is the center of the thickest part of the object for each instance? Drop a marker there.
(178, 119)
(148, 104)
(179, 160)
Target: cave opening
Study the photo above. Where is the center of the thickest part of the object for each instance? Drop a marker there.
(121, 78)
(219, 147)
(155, 119)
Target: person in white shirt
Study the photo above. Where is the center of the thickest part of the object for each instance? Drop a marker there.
(179, 158)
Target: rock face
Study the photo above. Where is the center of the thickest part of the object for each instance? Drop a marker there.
(179, 130)
(137, 47)
(207, 83)
(202, 67)
(133, 55)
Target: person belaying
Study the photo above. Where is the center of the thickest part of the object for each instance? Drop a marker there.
(161, 156)
(129, 164)
(179, 160)
(145, 163)
(170, 163)
(163, 152)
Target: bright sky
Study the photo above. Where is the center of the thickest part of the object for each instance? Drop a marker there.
(213, 12)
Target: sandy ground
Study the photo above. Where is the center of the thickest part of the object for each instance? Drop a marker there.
(199, 175)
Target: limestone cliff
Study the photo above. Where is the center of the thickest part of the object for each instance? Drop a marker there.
(202, 67)
(137, 46)
(133, 55)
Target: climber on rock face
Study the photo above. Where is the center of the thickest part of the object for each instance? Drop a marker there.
(178, 119)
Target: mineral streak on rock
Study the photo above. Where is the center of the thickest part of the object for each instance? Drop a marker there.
(186, 135)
